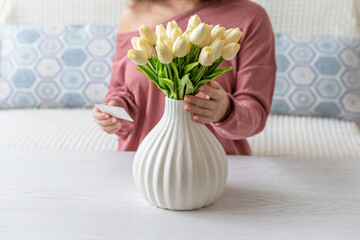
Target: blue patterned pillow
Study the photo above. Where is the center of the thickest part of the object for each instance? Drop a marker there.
(55, 66)
(318, 76)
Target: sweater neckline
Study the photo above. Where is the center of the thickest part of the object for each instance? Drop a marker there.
(177, 18)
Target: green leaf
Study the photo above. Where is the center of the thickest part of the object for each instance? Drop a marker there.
(175, 78)
(151, 65)
(190, 67)
(189, 86)
(150, 74)
(215, 64)
(158, 67)
(169, 84)
(169, 71)
(153, 78)
(174, 68)
(181, 86)
(199, 74)
(165, 72)
(204, 81)
(218, 72)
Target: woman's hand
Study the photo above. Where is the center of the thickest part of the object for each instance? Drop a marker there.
(211, 109)
(106, 122)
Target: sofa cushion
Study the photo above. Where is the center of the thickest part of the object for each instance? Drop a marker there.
(55, 66)
(318, 76)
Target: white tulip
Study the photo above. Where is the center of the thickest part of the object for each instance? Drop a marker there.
(140, 43)
(164, 54)
(137, 56)
(175, 33)
(217, 32)
(170, 26)
(160, 30)
(230, 51)
(187, 34)
(232, 35)
(198, 35)
(207, 37)
(206, 56)
(194, 21)
(148, 34)
(181, 47)
(165, 39)
(217, 47)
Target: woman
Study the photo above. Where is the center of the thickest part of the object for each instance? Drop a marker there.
(234, 106)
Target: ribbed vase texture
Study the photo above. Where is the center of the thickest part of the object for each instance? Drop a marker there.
(180, 165)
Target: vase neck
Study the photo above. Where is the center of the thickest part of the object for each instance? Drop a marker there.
(175, 108)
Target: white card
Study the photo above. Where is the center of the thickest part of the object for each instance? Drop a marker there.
(117, 112)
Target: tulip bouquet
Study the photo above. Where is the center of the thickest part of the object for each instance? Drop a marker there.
(183, 60)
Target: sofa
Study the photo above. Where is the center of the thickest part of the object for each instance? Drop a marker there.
(289, 132)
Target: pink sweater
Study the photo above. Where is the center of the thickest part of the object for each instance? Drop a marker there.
(249, 85)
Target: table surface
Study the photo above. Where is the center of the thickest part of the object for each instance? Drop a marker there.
(53, 194)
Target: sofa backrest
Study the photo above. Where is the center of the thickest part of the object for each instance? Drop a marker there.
(302, 17)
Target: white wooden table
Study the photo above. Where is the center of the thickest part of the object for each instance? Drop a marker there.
(51, 194)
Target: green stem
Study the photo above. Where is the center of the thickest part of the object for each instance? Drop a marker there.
(171, 77)
(155, 49)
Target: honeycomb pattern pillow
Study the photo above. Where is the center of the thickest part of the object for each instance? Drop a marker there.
(55, 66)
(318, 76)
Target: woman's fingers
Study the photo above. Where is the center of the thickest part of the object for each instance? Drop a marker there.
(112, 128)
(199, 111)
(107, 122)
(199, 102)
(202, 119)
(210, 91)
(98, 115)
(210, 109)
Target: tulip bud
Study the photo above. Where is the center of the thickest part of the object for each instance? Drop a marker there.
(140, 43)
(230, 51)
(198, 35)
(181, 47)
(170, 27)
(160, 30)
(207, 37)
(164, 54)
(175, 33)
(187, 34)
(165, 39)
(194, 21)
(217, 32)
(148, 34)
(206, 56)
(232, 35)
(138, 57)
(217, 47)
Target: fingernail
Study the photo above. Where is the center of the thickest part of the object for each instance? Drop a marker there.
(187, 107)
(201, 88)
(106, 116)
(187, 99)
(196, 117)
(113, 120)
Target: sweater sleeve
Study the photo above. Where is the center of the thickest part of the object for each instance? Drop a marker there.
(250, 101)
(117, 90)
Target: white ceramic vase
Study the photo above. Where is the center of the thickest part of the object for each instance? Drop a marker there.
(180, 164)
